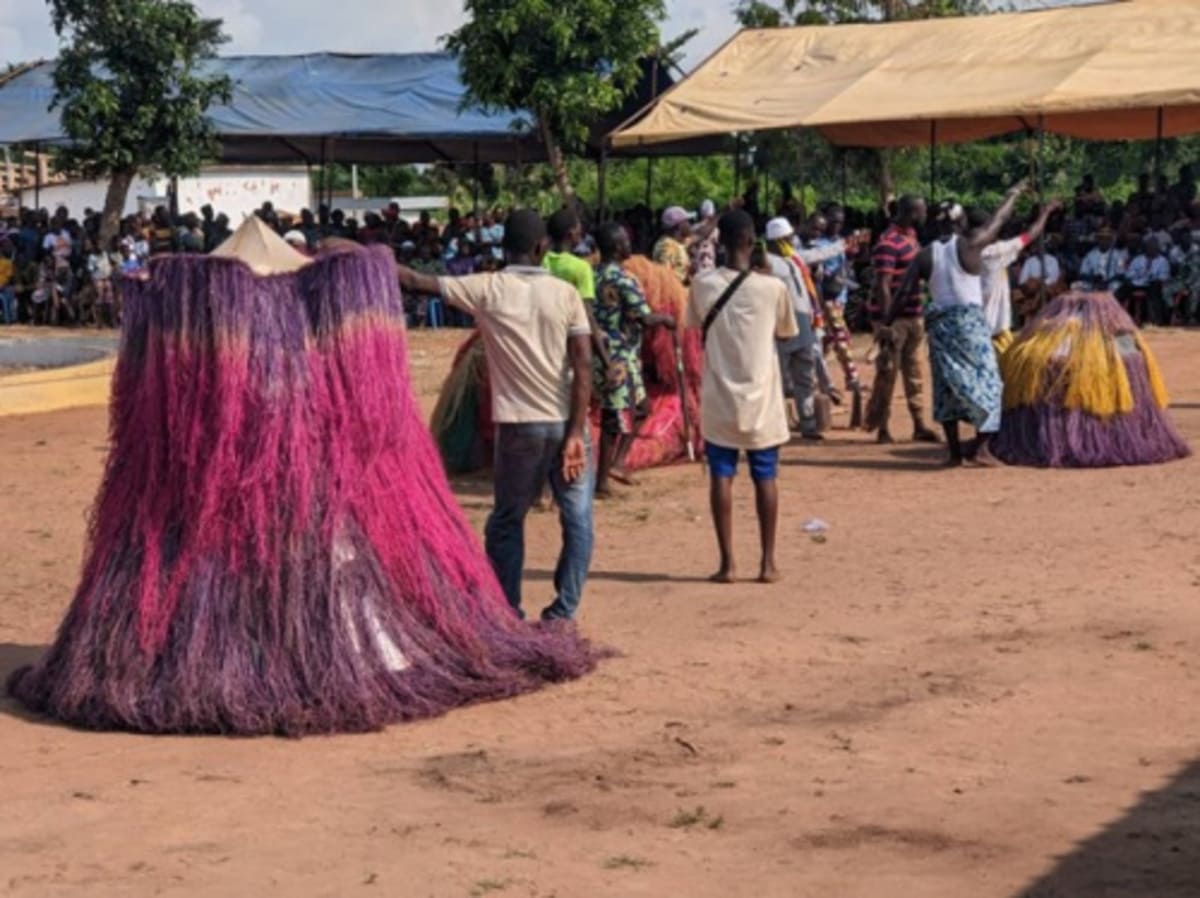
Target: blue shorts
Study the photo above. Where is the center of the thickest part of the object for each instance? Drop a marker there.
(723, 462)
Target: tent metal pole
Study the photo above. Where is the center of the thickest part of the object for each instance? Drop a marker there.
(37, 176)
(1158, 147)
(932, 162)
(845, 175)
(737, 166)
(520, 191)
(1043, 290)
(650, 182)
(475, 194)
(324, 175)
(602, 185)
(332, 162)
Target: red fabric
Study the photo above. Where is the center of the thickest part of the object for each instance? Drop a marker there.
(662, 439)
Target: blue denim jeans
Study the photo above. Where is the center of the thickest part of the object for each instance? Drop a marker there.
(526, 456)
(8, 305)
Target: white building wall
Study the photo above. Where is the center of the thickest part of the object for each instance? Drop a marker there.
(236, 192)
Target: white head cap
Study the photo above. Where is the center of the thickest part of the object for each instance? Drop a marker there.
(780, 229)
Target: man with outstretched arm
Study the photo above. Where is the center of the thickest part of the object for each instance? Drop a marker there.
(538, 341)
(966, 375)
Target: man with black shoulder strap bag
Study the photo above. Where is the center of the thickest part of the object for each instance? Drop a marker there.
(742, 314)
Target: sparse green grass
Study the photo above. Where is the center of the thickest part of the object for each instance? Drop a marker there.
(686, 819)
(487, 886)
(1144, 647)
(625, 862)
(513, 853)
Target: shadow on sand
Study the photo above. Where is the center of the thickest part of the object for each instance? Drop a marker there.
(921, 459)
(1153, 851)
(12, 658)
(619, 577)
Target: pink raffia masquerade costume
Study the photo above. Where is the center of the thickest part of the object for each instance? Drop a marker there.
(275, 548)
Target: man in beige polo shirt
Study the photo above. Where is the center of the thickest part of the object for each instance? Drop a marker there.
(538, 341)
(743, 314)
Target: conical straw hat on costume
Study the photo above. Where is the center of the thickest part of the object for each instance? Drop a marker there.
(259, 247)
(275, 547)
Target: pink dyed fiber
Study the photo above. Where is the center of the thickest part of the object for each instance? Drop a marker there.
(274, 525)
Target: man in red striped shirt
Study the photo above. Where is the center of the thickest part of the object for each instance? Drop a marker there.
(894, 252)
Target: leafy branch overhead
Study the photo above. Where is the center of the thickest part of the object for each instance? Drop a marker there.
(131, 85)
(568, 62)
(763, 14)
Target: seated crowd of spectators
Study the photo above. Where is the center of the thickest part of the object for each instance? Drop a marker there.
(53, 270)
(1146, 250)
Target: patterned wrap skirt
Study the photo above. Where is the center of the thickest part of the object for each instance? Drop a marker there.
(966, 376)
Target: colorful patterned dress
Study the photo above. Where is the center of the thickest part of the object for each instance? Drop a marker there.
(620, 309)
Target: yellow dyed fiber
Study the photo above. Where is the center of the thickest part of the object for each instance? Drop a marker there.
(1002, 341)
(1082, 365)
(1157, 385)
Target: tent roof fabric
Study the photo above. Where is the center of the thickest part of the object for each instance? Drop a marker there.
(380, 108)
(1099, 72)
(400, 107)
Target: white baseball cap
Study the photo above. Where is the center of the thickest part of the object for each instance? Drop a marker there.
(780, 229)
(708, 209)
(296, 238)
(674, 216)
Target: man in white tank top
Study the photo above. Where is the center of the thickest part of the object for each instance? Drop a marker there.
(966, 376)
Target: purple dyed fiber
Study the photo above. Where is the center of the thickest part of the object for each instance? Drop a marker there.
(1050, 436)
(275, 547)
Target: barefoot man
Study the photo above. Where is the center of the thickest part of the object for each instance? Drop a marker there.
(742, 314)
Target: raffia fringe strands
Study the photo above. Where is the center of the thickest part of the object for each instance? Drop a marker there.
(462, 418)
(1083, 389)
(275, 548)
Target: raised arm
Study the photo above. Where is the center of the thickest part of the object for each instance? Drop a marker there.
(417, 282)
(818, 254)
(1039, 226)
(990, 232)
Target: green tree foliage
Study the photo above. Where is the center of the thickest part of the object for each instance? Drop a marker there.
(570, 62)
(132, 92)
(763, 14)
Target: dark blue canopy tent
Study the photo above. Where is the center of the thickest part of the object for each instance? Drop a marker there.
(379, 108)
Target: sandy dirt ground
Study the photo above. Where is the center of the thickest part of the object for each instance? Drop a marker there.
(983, 684)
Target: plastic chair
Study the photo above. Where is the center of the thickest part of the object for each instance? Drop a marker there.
(435, 313)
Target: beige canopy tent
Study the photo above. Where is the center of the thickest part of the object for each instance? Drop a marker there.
(1126, 70)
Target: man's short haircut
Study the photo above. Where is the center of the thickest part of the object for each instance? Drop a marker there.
(735, 225)
(561, 224)
(607, 237)
(523, 231)
(906, 208)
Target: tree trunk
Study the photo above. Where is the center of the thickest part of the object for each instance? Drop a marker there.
(887, 184)
(114, 205)
(558, 164)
